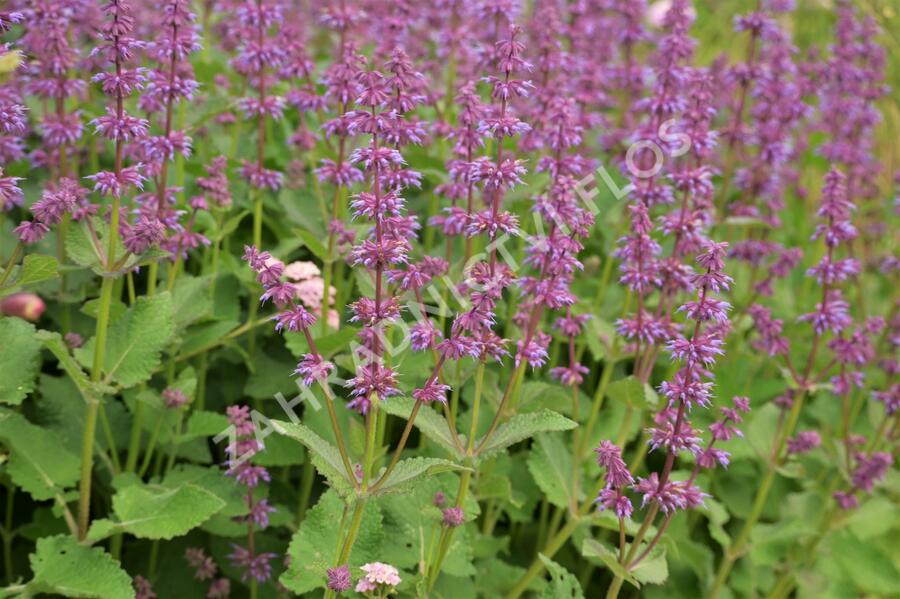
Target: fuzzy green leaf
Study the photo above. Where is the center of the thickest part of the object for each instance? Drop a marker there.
(20, 360)
(563, 584)
(311, 550)
(63, 567)
(550, 464)
(135, 343)
(429, 422)
(54, 342)
(633, 392)
(871, 569)
(37, 268)
(653, 569)
(410, 470)
(325, 456)
(523, 426)
(191, 300)
(592, 549)
(155, 512)
(38, 462)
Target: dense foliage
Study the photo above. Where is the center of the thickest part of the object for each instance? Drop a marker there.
(555, 298)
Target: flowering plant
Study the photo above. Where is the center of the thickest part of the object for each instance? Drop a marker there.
(448, 299)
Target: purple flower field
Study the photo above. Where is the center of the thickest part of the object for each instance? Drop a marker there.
(449, 299)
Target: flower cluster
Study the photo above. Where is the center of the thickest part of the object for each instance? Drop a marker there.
(253, 564)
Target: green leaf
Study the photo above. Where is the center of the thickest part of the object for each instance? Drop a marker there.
(20, 360)
(718, 516)
(36, 268)
(524, 426)
(653, 569)
(155, 512)
(191, 300)
(135, 342)
(38, 462)
(213, 481)
(327, 345)
(116, 309)
(429, 422)
(204, 334)
(325, 456)
(313, 243)
(868, 567)
(406, 472)
(54, 342)
(591, 548)
(311, 550)
(280, 451)
(633, 392)
(550, 464)
(63, 567)
(80, 246)
(563, 584)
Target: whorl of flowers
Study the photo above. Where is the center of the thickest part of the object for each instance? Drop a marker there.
(259, 57)
(253, 564)
(168, 83)
(48, 40)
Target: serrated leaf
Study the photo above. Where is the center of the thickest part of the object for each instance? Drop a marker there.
(80, 246)
(524, 426)
(36, 268)
(212, 480)
(63, 567)
(54, 342)
(591, 548)
(135, 343)
(20, 360)
(38, 462)
(325, 456)
(429, 422)
(563, 584)
(653, 569)
(312, 548)
(156, 512)
(406, 472)
(550, 464)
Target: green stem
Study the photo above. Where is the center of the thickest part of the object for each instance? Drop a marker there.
(476, 405)
(550, 549)
(152, 276)
(733, 552)
(599, 396)
(151, 446)
(173, 451)
(614, 587)
(355, 522)
(7, 270)
(93, 405)
(8, 533)
(447, 532)
(306, 483)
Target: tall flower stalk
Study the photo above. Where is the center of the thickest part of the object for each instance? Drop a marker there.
(117, 125)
